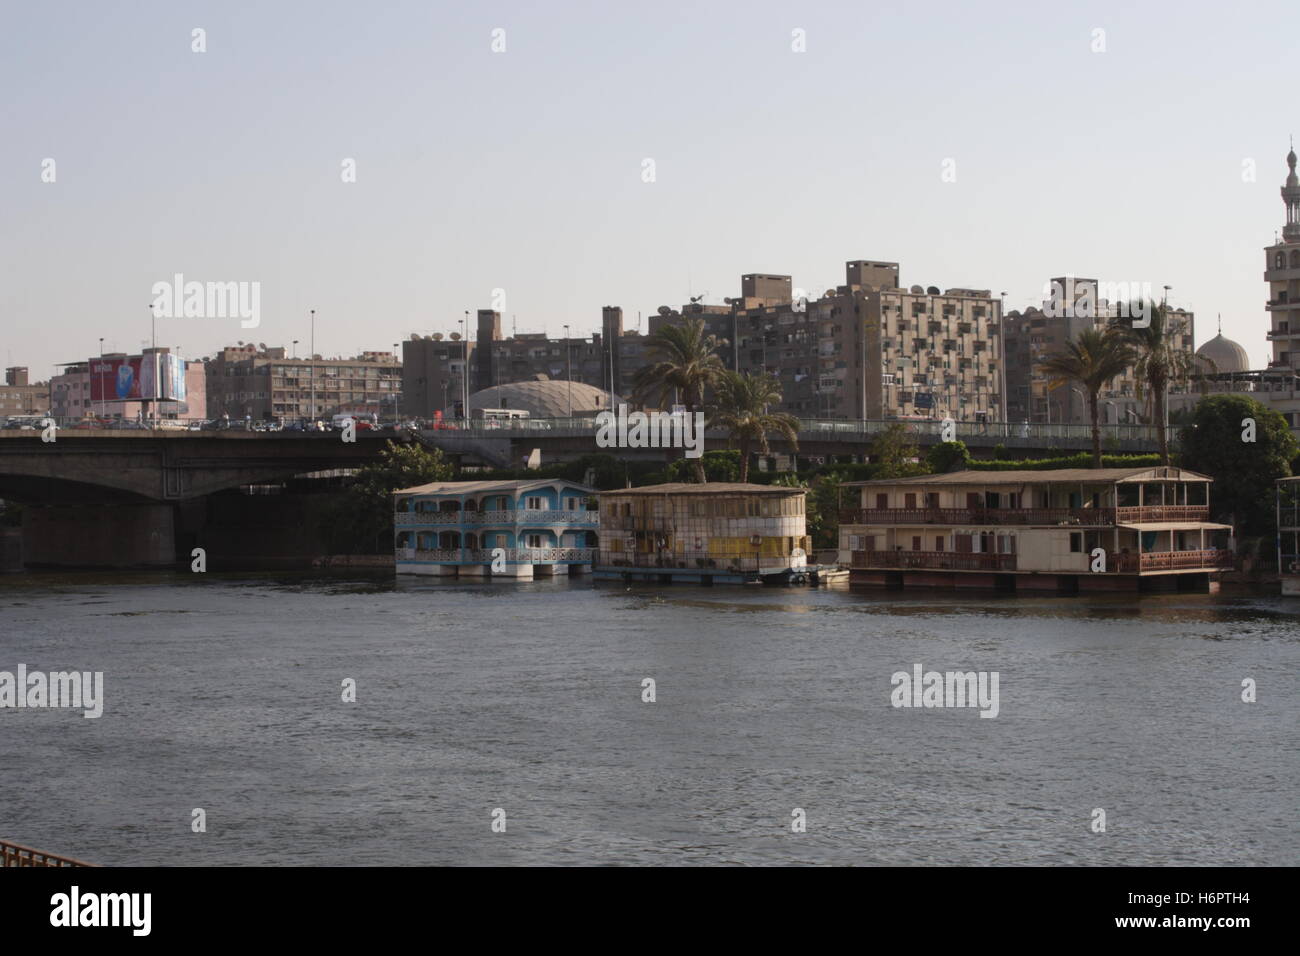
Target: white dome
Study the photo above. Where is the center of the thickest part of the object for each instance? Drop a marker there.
(1226, 355)
(546, 398)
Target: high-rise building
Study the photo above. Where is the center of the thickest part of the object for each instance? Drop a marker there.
(1282, 273)
(866, 349)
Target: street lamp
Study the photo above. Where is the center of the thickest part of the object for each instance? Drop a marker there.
(397, 398)
(464, 365)
(568, 365)
(295, 349)
(312, 359)
(101, 377)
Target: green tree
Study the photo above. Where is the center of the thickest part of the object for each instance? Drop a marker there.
(948, 456)
(1243, 471)
(684, 364)
(722, 464)
(1093, 359)
(1159, 358)
(894, 453)
(742, 403)
(367, 514)
(822, 509)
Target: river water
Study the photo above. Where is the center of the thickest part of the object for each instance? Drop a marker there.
(225, 693)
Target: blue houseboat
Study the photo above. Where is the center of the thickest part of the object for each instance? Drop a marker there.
(500, 529)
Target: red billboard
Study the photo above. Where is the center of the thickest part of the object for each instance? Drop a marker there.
(136, 377)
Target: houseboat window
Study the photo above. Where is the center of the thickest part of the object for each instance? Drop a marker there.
(855, 542)
(1013, 499)
(882, 501)
(1197, 493)
(1076, 542)
(534, 503)
(909, 501)
(972, 499)
(753, 507)
(932, 499)
(916, 542)
(992, 499)
(938, 543)
(533, 540)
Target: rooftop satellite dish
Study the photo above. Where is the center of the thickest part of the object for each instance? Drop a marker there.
(932, 290)
(828, 294)
(728, 300)
(415, 336)
(664, 310)
(262, 346)
(455, 336)
(916, 290)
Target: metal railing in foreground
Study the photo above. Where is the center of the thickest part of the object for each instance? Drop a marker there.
(15, 854)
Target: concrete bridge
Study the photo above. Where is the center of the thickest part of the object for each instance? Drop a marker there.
(166, 466)
(126, 498)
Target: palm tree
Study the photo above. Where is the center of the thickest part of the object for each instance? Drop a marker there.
(1159, 359)
(683, 363)
(1092, 360)
(742, 403)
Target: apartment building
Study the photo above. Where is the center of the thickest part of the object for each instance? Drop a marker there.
(19, 396)
(154, 384)
(866, 349)
(1075, 304)
(264, 384)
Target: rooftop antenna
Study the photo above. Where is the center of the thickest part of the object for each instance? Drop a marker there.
(1220, 323)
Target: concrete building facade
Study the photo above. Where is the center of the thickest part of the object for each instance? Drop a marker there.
(265, 384)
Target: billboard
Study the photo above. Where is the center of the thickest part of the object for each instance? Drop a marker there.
(149, 377)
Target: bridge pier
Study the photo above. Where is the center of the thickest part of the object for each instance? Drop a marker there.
(103, 536)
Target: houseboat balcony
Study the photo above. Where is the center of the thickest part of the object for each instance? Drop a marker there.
(583, 519)
(934, 560)
(1208, 560)
(485, 555)
(1094, 517)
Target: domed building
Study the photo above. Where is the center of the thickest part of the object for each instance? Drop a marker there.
(1224, 355)
(544, 397)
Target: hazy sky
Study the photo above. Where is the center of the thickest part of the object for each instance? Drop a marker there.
(523, 170)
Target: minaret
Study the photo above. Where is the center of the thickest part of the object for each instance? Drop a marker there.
(1282, 273)
(1291, 196)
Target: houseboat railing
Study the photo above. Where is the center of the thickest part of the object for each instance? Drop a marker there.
(933, 560)
(1025, 516)
(15, 854)
(1209, 559)
(690, 560)
(500, 517)
(487, 555)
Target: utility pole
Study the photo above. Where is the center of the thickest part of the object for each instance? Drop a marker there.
(312, 358)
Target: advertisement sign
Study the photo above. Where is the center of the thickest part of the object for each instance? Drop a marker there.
(148, 377)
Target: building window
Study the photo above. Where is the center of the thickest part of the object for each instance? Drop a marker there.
(533, 504)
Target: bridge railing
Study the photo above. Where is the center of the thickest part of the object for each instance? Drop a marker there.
(848, 430)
